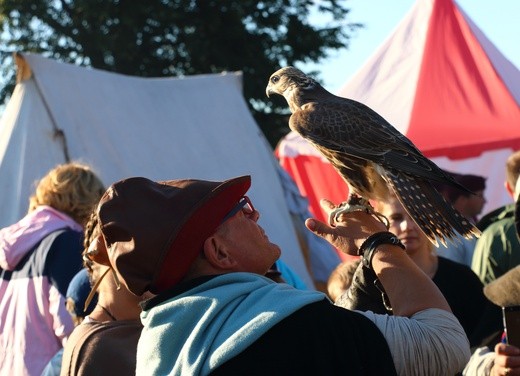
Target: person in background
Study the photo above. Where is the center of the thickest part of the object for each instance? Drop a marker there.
(106, 341)
(498, 248)
(39, 256)
(459, 285)
(498, 358)
(77, 293)
(197, 244)
(470, 206)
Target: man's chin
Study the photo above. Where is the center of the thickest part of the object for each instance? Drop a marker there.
(279, 252)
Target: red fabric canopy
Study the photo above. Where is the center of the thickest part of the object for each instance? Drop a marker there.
(461, 105)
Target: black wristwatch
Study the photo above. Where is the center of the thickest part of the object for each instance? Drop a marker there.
(366, 251)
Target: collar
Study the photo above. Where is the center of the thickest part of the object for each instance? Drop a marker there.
(177, 289)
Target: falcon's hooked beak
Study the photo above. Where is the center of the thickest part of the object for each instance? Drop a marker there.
(271, 86)
(269, 91)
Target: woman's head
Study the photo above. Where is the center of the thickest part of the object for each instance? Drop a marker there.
(71, 188)
(402, 225)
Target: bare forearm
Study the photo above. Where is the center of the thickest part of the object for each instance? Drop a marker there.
(407, 287)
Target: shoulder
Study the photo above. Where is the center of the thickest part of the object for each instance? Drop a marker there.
(457, 281)
(66, 237)
(96, 331)
(316, 339)
(63, 258)
(62, 243)
(457, 271)
(499, 226)
(83, 333)
(323, 314)
(497, 234)
(59, 247)
(320, 316)
(495, 215)
(75, 348)
(448, 264)
(102, 345)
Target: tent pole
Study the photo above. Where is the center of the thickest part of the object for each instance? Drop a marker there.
(58, 134)
(24, 73)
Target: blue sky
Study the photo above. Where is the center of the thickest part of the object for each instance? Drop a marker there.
(498, 20)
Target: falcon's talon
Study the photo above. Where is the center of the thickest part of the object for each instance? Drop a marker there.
(356, 203)
(347, 208)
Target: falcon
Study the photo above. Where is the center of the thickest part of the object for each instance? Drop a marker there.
(372, 156)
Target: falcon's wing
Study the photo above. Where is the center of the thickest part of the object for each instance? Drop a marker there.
(344, 126)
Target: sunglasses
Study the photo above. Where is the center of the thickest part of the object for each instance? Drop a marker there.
(244, 204)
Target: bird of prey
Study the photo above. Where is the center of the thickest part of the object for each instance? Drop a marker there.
(371, 155)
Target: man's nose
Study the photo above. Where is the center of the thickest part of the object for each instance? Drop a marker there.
(254, 215)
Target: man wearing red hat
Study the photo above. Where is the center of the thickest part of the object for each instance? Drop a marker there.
(198, 246)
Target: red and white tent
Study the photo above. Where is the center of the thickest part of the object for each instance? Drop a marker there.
(443, 84)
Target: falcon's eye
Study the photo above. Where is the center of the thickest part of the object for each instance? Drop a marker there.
(275, 79)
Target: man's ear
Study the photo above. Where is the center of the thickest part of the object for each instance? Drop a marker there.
(217, 254)
(509, 189)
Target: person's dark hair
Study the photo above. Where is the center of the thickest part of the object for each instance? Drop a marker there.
(474, 183)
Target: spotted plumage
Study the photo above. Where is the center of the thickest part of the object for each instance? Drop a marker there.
(370, 154)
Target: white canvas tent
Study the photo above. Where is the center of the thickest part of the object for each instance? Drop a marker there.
(160, 128)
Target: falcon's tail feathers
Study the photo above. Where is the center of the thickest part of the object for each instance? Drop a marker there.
(431, 212)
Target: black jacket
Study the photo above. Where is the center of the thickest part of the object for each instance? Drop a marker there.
(318, 339)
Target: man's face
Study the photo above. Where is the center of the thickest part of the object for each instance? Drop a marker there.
(247, 242)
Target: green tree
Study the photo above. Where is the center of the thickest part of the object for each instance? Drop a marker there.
(155, 38)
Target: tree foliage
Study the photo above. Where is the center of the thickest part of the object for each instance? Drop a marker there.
(155, 38)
